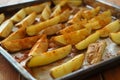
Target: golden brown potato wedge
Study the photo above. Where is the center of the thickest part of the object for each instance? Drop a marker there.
(60, 2)
(67, 67)
(6, 28)
(20, 44)
(95, 52)
(36, 8)
(88, 14)
(40, 46)
(45, 15)
(27, 21)
(2, 17)
(21, 14)
(90, 39)
(74, 2)
(112, 27)
(49, 57)
(73, 37)
(115, 37)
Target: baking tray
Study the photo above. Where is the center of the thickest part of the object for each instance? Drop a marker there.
(81, 73)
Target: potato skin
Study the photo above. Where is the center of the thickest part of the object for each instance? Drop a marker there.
(68, 66)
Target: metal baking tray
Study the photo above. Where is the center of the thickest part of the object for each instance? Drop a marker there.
(83, 72)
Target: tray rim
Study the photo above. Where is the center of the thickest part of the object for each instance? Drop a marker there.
(79, 72)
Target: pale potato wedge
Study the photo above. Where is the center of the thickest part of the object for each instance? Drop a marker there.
(67, 67)
(19, 34)
(20, 44)
(90, 39)
(53, 29)
(56, 11)
(6, 28)
(112, 27)
(95, 51)
(2, 17)
(72, 37)
(40, 46)
(115, 37)
(27, 21)
(45, 15)
(49, 57)
(20, 15)
(88, 14)
(35, 29)
(36, 8)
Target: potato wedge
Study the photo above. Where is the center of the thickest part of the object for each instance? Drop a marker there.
(88, 14)
(60, 2)
(49, 57)
(56, 11)
(95, 52)
(20, 44)
(72, 37)
(90, 39)
(53, 29)
(20, 15)
(27, 21)
(45, 15)
(74, 2)
(115, 37)
(6, 28)
(19, 34)
(112, 27)
(67, 67)
(40, 46)
(36, 8)
(35, 29)
(2, 17)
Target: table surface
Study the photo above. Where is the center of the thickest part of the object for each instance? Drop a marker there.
(7, 72)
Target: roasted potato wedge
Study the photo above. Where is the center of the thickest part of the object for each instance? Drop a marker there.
(61, 2)
(20, 15)
(20, 44)
(90, 39)
(56, 11)
(49, 57)
(67, 67)
(112, 27)
(2, 17)
(35, 29)
(19, 34)
(95, 52)
(36, 8)
(45, 15)
(88, 14)
(40, 46)
(27, 21)
(6, 28)
(115, 37)
(73, 37)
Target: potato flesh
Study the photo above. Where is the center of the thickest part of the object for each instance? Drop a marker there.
(2, 17)
(20, 44)
(6, 28)
(112, 27)
(115, 37)
(49, 57)
(67, 67)
(40, 46)
(90, 39)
